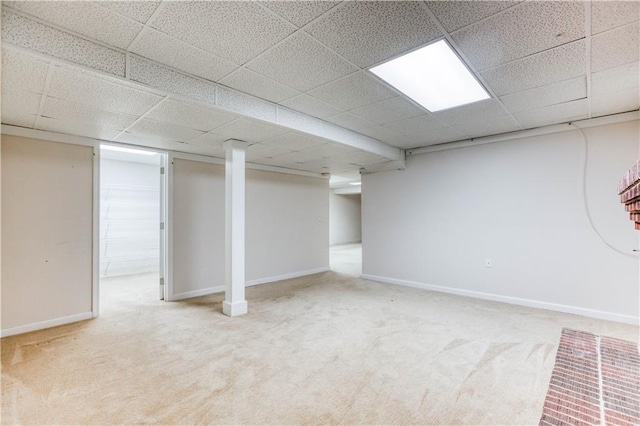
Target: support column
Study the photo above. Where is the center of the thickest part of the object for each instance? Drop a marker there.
(234, 303)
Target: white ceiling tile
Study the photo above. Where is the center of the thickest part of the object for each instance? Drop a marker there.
(160, 47)
(210, 151)
(606, 15)
(260, 150)
(329, 165)
(149, 141)
(302, 63)
(369, 32)
(386, 135)
(457, 14)
(559, 113)
(20, 102)
(189, 115)
(615, 102)
(416, 125)
(61, 109)
(140, 11)
(494, 126)
(615, 79)
(353, 91)
(310, 105)
(210, 140)
(86, 129)
(389, 110)
(16, 119)
(83, 17)
(295, 157)
(234, 30)
(526, 29)
(614, 48)
(335, 166)
(554, 93)
(294, 141)
(558, 64)
(248, 130)
(438, 136)
(166, 131)
(486, 110)
(300, 13)
(32, 35)
(329, 150)
(100, 93)
(349, 121)
(22, 72)
(244, 104)
(255, 84)
(362, 158)
(171, 81)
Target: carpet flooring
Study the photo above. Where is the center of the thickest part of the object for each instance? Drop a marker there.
(330, 348)
(595, 380)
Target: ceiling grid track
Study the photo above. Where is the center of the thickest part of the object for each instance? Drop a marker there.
(142, 117)
(145, 25)
(467, 62)
(45, 93)
(587, 34)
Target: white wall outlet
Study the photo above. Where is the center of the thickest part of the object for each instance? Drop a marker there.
(488, 262)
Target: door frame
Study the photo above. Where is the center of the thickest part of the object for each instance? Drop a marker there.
(166, 240)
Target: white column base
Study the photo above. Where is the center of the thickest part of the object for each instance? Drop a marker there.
(234, 309)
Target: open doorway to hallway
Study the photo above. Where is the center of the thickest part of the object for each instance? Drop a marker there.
(345, 225)
(131, 212)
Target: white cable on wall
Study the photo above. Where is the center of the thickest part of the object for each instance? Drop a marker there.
(584, 195)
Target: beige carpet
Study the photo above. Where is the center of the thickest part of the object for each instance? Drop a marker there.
(330, 348)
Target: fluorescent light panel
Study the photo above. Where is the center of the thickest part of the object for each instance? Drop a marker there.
(129, 150)
(433, 76)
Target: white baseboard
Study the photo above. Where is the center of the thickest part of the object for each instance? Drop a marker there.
(286, 276)
(219, 289)
(609, 316)
(196, 293)
(45, 324)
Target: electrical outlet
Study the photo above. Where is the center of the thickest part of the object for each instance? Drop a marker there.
(488, 262)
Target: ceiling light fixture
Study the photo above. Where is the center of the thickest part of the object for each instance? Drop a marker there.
(129, 150)
(433, 76)
(355, 183)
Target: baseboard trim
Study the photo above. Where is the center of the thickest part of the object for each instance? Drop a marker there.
(45, 324)
(196, 293)
(592, 313)
(220, 289)
(286, 276)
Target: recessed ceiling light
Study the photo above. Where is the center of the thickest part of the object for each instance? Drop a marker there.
(355, 183)
(433, 76)
(129, 150)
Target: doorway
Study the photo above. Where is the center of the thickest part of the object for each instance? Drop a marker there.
(345, 227)
(132, 217)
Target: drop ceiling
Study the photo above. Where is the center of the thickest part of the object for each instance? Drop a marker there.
(292, 79)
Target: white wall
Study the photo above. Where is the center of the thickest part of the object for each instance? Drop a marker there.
(519, 203)
(198, 228)
(287, 230)
(47, 191)
(129, 217)
(345, 218)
